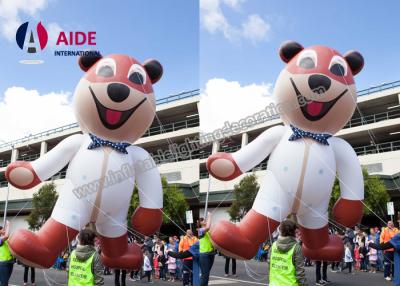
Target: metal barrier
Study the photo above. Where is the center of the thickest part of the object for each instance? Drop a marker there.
(368, 119)
(378, 148)
(230, 149)
(204, 175)
(4, 163)
(378, 88)
(59, 175)
(178, 96)
(29, 157)
(174, 126)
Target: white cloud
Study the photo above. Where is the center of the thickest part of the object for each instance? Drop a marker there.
(255, 28)
(212, 18)
(24, 112)
(53, 30)
(11, 10)
(224, 100)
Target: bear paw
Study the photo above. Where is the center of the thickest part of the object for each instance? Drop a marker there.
(21, 175)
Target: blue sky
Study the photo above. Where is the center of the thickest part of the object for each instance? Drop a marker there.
(165, 30)
(34, 98)
(235, 41)
(370, 27)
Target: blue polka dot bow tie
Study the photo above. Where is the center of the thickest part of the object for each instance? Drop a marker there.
(98, 142)
(319, 137)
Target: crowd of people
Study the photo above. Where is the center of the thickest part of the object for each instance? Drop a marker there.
(171, 259)
(365, 250)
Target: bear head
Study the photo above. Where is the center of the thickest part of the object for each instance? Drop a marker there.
(114, 99)
(316, 90)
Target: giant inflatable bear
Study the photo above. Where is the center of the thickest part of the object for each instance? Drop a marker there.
(114, 104)
(316, 94)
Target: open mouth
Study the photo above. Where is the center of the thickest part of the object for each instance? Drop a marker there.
(314, 110)
(111, 118)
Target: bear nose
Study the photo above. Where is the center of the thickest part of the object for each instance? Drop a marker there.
(319, 83)
(118, 92)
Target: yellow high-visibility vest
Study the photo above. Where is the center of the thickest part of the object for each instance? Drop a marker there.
(80, 272)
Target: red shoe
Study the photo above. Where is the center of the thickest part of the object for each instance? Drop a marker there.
(242, 241)
(332, 251)
(226, 237)
(131, 259)
(141, 222)
(117, 254)
(41, 249)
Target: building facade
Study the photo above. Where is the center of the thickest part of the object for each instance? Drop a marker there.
(173, 140)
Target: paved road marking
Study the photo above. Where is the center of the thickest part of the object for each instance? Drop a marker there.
(237, 280)
(222, 281)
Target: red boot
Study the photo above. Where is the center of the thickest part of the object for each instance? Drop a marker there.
(147, 221)
(41, 249)
(117, 254)
(242, 241)
(319, 245)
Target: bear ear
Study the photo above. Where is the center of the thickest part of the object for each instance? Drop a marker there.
(355, 61)
(87, 61)
(154, 69)
(289, 49)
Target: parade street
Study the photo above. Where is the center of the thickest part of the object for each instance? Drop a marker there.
(258, 272)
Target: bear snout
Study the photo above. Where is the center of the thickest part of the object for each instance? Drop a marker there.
(319, 83)
(118, 92)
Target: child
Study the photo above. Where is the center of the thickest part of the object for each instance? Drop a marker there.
(162, 263)
(156, 266)
(363, 257)
(147, 266)
(373, 257)
(171, 268)
(357, 257)
(348, 257)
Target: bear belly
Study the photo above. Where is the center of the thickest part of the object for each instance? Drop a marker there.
(83, 181)
(306, 174)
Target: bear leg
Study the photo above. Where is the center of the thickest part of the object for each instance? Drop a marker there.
(41, 249)
(242, 241)
(116, 253)
(319, 245)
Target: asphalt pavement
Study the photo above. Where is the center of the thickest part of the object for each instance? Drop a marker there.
(248, 273)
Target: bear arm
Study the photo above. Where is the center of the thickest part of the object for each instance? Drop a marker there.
(148, 179)
(256, 151)
(348, 169)
(56, 159)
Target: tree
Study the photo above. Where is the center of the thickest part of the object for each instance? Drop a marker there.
(43, 203)
(244, 195)
(375, 195)
(175, 204)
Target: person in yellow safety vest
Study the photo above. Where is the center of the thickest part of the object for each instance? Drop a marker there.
(84, 265)
(6, 258)
(207, 251)
(286, 261)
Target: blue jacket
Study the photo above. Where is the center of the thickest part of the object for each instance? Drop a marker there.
(395, 241)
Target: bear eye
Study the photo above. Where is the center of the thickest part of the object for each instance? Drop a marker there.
(338, 66)
(307, 59)
(137, 74)
(106, 68)
(307, 63)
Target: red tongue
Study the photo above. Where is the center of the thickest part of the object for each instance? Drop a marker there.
(314, 108)
(113, 116)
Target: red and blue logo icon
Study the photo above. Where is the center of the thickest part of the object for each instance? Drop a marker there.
(33, 41)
